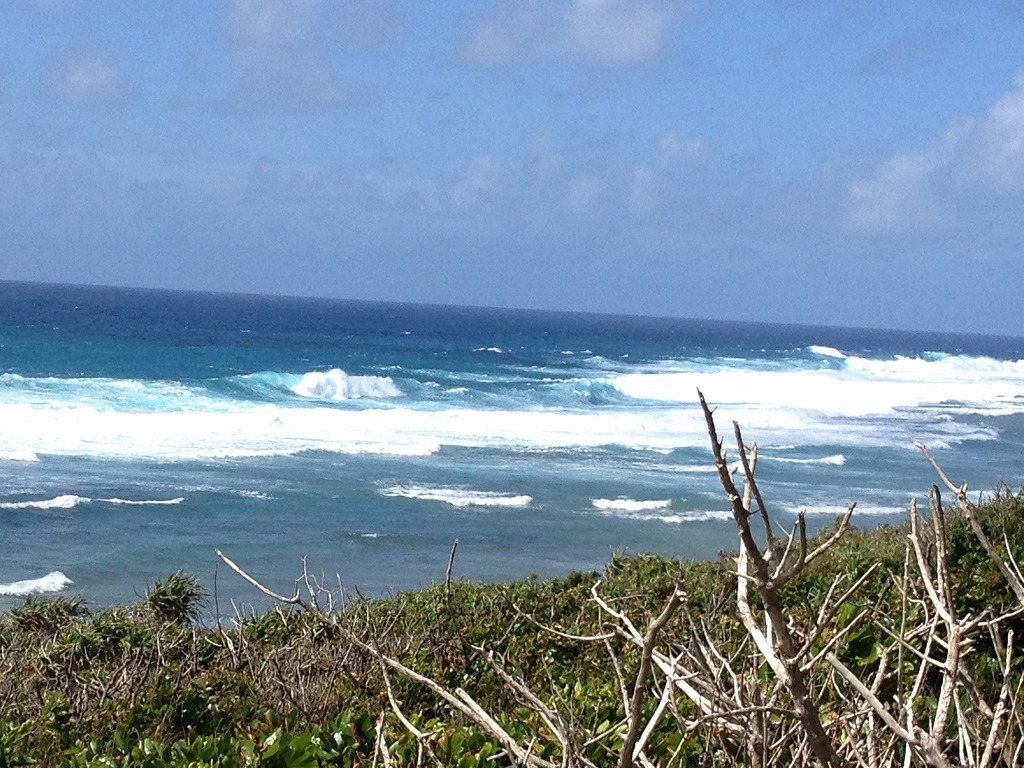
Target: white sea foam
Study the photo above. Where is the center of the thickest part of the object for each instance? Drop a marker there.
(335, 384)
(70, 501)
(861, 387)
(66, 501)
(836, 460)
(826, 351)
(21, 455)
(146, 502)
(457, 497)
(495, 350)
(816, 509)
(862, 403)
(631, 505)
(54, 581)
(660, 514)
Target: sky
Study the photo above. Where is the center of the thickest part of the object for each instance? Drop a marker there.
(802, 161)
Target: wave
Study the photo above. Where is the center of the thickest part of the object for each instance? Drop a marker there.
(859, 387)
(835, 510)
(106, 394)
(335, 384)
(70, 501)
(458, 497)
(21, 455)
(631, 505)
(259, 495)
(271, 430)
(643, 406)
(55, 581)
(836, 460)
(67, 501)
(146, 502)
(826, 352)
(652, 514)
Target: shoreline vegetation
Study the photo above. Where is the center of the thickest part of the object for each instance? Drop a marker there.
(871, 647)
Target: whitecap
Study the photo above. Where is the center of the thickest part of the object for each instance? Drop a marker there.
(836, 460)
(654, 514)
(145, 502)
(458, 497)
(631, 505)
(826, 351)
(54, 581)
(66, 501)
(335, 384)
(836, 510)
(21, 455)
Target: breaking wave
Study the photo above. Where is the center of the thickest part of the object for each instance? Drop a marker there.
(55, 581)
(22, 455)
(335, 384)
(70, 501)
(458, 497)
(630, 505)
(66, 501)
(836, 460)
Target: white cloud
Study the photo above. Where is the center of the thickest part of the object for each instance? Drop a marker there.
(925, 191)
(616, 33)
(270, 23)
(922, 46)
(607, 33)
(653, 183)
(901, 195)
(283, 57)
(584, 194)
(994, 153)
(673, 147)
(87, 80)
(369, 25)
(481, 182)
(517, 33)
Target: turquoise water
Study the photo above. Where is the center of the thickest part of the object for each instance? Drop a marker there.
(140, 431)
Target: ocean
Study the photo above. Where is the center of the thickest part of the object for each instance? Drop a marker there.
(141, 431)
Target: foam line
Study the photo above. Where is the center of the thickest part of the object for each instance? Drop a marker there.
(66, 501)
(836, 460)
(631, 505)
(458, 497)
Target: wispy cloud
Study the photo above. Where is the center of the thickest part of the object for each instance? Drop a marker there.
(916, 48)
(610, 34)
(88, 80)
(282, 52)
(369, 25)
(924, 191)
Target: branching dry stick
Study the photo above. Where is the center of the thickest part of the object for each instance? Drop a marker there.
(630, 748)
(785, 662)
(748, 472)
(458, 699)
(711, 703)
(553, 719)
(1012, 575)
(947, 638)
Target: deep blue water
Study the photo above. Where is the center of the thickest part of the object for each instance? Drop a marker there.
(142, 430)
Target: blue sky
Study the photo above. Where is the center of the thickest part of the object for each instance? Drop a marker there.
(808, 161)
